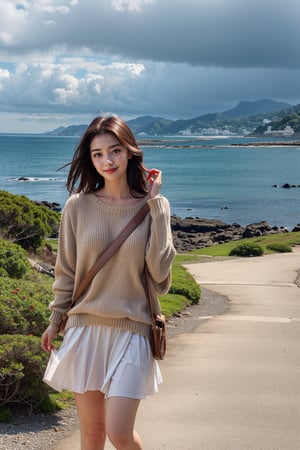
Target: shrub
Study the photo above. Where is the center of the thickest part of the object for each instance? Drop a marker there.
(13, 260)
(22, 221)
(247, 249)
(23, 307)
(22, 365)
(279, 248)
(184, 284)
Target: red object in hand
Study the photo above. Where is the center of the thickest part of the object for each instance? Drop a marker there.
(152, 173)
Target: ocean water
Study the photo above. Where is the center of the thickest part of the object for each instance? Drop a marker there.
(202, 177)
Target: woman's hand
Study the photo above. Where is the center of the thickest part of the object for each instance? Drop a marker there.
(48, 337)
(155, 182)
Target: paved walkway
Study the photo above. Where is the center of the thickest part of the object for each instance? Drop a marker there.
(234, 383)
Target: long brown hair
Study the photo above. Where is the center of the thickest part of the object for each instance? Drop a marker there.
(83, 175)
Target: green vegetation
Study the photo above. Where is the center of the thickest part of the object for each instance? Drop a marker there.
(22, 364)
(56, 400)
(13, 260)
(278, 247)
(247, 249)
(184, 284)
(24, 307)
(290, 117)
(290, 239)
(184, 291)
(24, 222)
(24, 316)
(173, 303)
(24, 298)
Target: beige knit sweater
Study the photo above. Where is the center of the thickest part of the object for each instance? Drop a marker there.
(116, 296)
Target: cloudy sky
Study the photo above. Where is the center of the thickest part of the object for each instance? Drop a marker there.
(64, 61)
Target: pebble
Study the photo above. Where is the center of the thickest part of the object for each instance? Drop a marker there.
(38, 432)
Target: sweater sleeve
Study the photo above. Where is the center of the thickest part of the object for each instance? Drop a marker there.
(64, 268)
(160, 251)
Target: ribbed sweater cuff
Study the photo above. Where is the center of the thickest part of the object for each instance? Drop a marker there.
(55, 317)
(156, 205)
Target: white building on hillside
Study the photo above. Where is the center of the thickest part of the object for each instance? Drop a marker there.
(287, 131)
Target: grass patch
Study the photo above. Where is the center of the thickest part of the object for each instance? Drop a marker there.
(57, 401)
(291, 239)
(53, 243)
(184, 290)
(172, 303)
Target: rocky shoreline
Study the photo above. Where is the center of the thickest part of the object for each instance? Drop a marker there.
(195, 233)
(169, 143)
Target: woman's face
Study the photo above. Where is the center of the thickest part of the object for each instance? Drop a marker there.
(109, 157)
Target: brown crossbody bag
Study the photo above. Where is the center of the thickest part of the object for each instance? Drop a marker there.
(104, 257)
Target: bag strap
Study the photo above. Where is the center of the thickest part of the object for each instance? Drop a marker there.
(109, 251)
(148, 293)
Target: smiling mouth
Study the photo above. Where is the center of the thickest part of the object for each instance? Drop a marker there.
(111, 170)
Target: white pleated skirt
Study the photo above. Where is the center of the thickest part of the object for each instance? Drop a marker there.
(117, 362)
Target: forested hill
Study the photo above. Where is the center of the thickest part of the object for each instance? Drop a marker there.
(290, 118)
(245, 117)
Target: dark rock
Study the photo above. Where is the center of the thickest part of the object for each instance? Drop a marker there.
(296, 228)
(191, 234)
(287, 186)
(50, 205)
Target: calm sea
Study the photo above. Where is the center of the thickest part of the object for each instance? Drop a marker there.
(206, 178)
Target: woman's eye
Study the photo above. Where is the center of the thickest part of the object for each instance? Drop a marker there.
(117, 150)
(97, 155)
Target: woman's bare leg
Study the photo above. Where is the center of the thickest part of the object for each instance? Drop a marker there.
(91, 412)
(120, 418)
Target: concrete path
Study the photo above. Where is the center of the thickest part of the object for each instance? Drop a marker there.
(234, 383)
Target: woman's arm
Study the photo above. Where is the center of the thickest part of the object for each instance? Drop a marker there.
(160, 251)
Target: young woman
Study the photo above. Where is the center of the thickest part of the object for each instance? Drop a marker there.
(105, 357)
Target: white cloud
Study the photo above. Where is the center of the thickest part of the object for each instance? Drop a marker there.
(12, 19)
(4, 73)
(132, 69)
(130, 5)
(60, 84)
(49, 23)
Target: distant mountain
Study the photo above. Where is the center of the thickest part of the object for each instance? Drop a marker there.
(246, 108)
(152, 124)
(72, 130)
(244, 118)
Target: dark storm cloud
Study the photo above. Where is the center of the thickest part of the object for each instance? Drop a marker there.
(224, 33)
